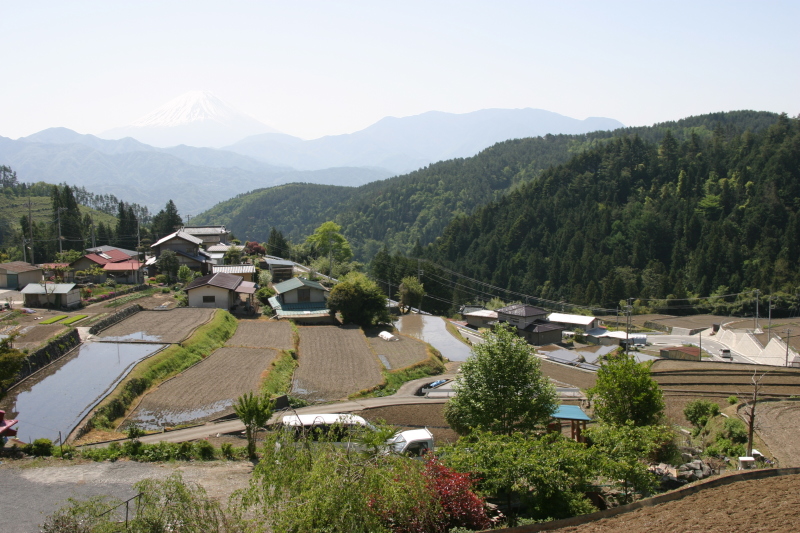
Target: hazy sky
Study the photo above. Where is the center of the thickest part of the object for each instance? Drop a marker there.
(318, 68)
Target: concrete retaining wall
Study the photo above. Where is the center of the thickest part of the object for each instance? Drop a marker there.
(649, 502)
(116, 317)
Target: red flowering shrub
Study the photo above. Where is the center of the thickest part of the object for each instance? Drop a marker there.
(461, 506)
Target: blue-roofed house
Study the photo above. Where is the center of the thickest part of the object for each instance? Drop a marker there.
(302, 300)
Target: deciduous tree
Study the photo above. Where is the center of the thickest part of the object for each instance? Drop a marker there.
(359, 300)
(501, 388)
(625, 391)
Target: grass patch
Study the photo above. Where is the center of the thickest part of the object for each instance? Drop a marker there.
(164, 365)
(394, 379)
(278, 378)
(455, 332)
(73, 319)
(96, 318)
(131, 297)
(53, 319)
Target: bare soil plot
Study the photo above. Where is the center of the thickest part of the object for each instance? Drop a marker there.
(206, 390)
(413, 417)
(399, 353)
(262, 334)
(32, 336)
(757, 505)
(334, 362)
(776, 424)
(571, 376)
(158, 326)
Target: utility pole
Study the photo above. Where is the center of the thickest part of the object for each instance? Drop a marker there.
(330, 257)
(788, 336)
(419, 278)
(93, 243)
(24, 255)
(30, 227)
(769, 326)
(628, 308)
(58, 216)
(755, 318)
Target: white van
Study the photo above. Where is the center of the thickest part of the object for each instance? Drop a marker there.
(725, 353)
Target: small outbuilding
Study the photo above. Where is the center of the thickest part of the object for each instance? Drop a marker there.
(17, 274)
(245, 271)
(480, 318)
(57, 295)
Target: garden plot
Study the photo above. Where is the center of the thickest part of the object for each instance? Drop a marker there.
(334, 363)
(263, 334)
(205, 391)
(398, 353)
(170, 326)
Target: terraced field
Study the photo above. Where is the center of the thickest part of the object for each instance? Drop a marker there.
(262, 334)
(169, 326)
(334, 362)
(398, 353)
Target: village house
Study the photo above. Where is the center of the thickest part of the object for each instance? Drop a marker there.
(220, 290)
(481, 318)
(209, 235)
(301, 300)
(17, 274)
(186, 247)
(281, 269)
(531, 323)
(129, 272)
(55, 295)
(100, 259)
(573, 322)
(246, 271)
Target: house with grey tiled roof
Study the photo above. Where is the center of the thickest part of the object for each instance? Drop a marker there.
(220, 290)
(186, 247)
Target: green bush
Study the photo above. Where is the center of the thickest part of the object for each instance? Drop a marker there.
(162, 278)
(42, 448)
(733, 400)
(735, 430)
(226, 449)
(204, 450)
(165, 290)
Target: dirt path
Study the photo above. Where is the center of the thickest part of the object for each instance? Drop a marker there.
(759, 505)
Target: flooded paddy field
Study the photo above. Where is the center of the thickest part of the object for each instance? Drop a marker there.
(57, 398)
(432, 329)
(334, 363)
(169, 326)
(205, 391)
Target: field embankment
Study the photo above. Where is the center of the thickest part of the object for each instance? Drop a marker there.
(162, 366)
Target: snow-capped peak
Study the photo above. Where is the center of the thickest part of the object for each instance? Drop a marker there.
(194, 106)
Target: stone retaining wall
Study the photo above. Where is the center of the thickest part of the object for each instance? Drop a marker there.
(116, 317)
(53, 351)
(655, 500)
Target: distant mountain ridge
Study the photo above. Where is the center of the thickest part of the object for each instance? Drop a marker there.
(405, 144)
(196, 118)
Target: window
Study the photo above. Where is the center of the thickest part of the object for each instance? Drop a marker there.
(209, 299)
(303, 295)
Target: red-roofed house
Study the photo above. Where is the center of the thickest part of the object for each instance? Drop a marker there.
(100, 259)
(125, 271)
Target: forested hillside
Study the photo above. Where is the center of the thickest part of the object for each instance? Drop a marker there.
(416, 207)
(653, 213)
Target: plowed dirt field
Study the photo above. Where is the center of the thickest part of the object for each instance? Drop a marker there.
(399, 353)
(262, 334)
(776, 424)
(158, 326)
(758, 505)
(334, 362)
(205, 391)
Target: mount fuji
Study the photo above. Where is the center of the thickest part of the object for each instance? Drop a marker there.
(196, 118)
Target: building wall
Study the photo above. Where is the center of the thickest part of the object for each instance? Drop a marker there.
(23, 278)
(519, 321)
(290, 297)
(479, 321)
(678, 354)
(223, 298)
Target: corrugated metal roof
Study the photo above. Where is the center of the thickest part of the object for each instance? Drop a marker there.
(18, 267)
(315, 309)
(220, 279)
(571, 412)
(280, 262)
(564, 318)
(296, 283)
(105, 249)
(49, 288)
(246, 287)
(180, 235)
(483, 313)
(205, 230)
(524, 310)
(122, 266)
(235, 269)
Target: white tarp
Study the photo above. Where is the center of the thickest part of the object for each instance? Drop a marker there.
(385, 335)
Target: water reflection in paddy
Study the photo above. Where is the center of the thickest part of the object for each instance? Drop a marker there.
(432, 330)
(60, 396)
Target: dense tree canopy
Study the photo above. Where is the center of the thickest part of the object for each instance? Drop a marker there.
(359, 300)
